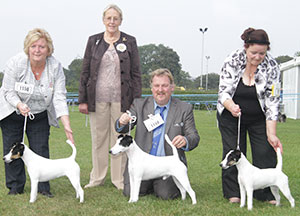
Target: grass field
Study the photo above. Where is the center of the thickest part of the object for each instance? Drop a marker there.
(204, 173)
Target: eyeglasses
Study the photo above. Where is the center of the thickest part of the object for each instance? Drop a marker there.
(111, 19)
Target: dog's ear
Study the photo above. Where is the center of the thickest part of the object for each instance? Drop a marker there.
(129, 138)
(18, 148)
(22, 147)
(126, 141)
(120, 136)
(13, 145)
(237, 153)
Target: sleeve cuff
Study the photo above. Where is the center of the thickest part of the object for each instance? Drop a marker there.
(186, 148)
(118, 127)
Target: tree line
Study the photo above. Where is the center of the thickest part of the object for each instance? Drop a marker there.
(153, 57)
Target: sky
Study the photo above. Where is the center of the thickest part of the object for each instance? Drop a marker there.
(173, 23)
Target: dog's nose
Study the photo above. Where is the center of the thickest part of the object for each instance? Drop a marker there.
(109, 151)
(220, 165)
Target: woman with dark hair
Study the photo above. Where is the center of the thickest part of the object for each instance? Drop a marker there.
(249, 84)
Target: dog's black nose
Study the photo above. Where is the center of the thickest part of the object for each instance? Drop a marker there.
(220, 165)
(109, 151)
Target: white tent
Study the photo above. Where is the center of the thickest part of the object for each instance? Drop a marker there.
(291, 87)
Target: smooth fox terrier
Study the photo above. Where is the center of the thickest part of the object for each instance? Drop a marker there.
(252, 178)
(41, 169)
(143, 166)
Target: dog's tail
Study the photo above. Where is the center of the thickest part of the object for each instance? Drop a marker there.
(279, 159)
(74, 149)
(175, 153)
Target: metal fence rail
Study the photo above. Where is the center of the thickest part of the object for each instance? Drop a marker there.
(199, 101)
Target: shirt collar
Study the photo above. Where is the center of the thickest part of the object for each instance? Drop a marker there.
(167, 105)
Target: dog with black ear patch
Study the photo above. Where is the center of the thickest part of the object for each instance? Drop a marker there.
(251, 178)
(143, 166)
(42, 169)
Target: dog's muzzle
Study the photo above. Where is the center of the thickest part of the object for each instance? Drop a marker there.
(7, 160)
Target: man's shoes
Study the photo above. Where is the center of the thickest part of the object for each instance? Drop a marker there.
(13, 192)
(47, 194)
(234, 200)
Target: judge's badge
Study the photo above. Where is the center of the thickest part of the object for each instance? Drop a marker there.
(153, 122)
(276, 89)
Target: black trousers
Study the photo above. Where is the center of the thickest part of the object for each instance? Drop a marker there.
(263, 154)
(37, 131)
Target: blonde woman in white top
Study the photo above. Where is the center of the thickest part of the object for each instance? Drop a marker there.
(33, 82)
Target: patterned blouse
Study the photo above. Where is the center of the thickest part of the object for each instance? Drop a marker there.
(108, 87)
(267, 77)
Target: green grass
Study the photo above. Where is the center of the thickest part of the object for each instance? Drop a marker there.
(204, 173)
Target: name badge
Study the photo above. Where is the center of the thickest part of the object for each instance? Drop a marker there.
(153, 122)
(276, 89)
(24, 88)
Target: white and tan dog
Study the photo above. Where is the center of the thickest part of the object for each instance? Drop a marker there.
(252, 178)
(143, 166)
(41, 169)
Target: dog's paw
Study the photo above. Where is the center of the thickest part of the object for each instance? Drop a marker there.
(293, 205)
(132, 201)
(242, 205)
(250, 208)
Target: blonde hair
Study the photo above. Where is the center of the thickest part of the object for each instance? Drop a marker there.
(113, 6)
(162, 72)
(36, 34)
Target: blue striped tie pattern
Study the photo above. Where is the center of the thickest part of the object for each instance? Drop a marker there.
(157, 133)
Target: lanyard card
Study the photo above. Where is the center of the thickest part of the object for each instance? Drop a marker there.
(153, 122)
(24, 88)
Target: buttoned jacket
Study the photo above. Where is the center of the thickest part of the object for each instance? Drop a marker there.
(131, 84)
